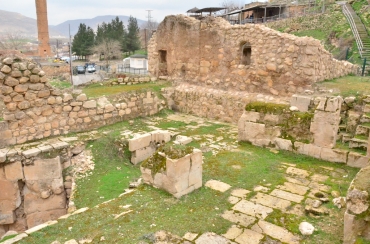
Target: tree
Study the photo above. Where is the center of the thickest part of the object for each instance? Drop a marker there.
(146, 32)
(230, 5)
(114, 30)
(132, 40)
(83, 41)
(109, 48)
(12, 41)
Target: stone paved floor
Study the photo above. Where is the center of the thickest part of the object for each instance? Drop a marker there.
(247, 216)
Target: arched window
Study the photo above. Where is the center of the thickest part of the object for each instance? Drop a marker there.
(246, 54)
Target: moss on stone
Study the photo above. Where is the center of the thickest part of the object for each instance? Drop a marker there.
(157, 162)
(267, 108)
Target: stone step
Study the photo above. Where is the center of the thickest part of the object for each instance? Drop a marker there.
(356, 143)
(362, 130)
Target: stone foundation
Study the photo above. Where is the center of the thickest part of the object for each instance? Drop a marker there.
(142, 146)
(176, 176)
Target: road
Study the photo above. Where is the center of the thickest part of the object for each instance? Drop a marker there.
(84, 78)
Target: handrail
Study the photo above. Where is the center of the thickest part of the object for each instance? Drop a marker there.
(352, 23)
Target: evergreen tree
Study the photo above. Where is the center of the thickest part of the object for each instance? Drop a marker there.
(83, 41)
(132, 40)
(114, 31)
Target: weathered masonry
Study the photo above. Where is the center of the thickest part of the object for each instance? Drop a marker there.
(252, 58)
(35, 110)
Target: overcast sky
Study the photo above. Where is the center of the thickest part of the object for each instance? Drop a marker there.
(62, 10)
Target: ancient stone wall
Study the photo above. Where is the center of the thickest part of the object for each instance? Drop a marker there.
(33, 190)
(357, 215)
(314, 133)
(36, 110)
(249, 58)
(56, 70)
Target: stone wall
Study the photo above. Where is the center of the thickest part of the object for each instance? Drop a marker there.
(316, 137)
(249, 57)
(35, 110)
(210, 103)
(56, 69)
(33, 190)
(357, 215)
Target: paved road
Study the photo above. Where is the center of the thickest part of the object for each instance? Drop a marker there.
(84, 78)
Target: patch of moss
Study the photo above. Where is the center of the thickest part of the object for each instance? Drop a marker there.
(157, 162)
(267, 108)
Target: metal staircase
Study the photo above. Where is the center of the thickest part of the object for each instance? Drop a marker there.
(358, 29)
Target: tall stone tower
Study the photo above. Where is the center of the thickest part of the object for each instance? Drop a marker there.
(43, 28)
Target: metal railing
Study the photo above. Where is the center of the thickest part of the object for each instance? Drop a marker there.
(352, 23)
(274, 18)
(124, 69)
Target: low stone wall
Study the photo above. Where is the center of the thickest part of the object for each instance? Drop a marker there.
(176, 176)
(142, 146)
(56, 69)
(36, 110)
(314, 137)
(357, 216)
(213, 103)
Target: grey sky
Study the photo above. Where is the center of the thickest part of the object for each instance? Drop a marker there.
(62, 10)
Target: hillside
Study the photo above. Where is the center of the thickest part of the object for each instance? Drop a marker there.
(331, 28)
(93, 23)
(17, 23)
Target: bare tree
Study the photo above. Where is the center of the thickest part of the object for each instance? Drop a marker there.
(109, 48)
(146, 31)
(230, 5)
(12, 41)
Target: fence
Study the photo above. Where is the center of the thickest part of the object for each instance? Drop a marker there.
(124, 69)
(275, 17)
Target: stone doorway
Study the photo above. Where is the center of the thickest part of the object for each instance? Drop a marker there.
(163, 62)
(246, 54)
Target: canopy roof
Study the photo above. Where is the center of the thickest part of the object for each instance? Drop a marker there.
(209, 9)
(193, 10)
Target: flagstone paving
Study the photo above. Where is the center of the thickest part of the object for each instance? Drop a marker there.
(249, 213)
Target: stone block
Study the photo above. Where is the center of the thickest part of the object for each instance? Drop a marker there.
(14, 171)
(357, 160)
(162, 136)
(333, 104)
(283, 144)
(39, 218)
(254, 131)
(90, 104)
(139, 141)
(183, 140)
(141, 154)
(43, 169)
(178, 167)
(31, 152)
(7, 218)
(301, 102)
(195, 176)
(334, 155)
(10, 197)
(146, 174)
(33, 203)
(60, 145)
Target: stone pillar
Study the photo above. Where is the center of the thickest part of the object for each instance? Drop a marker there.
(325, 123)
(43, 28)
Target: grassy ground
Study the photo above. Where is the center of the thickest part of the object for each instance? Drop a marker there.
(242, 166)
(60, 84)
(348, 85)
(101, 89)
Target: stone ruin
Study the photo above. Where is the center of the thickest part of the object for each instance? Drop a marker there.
(33, 188)
(357, 216)
(254, 58)
(178, 172)
(35, 110)
(142, 146)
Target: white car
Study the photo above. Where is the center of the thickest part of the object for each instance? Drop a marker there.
(91, 68)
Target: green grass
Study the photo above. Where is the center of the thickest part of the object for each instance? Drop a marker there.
(60, 84)
(100, 89)
(348, 85)
(317, 34)
(154, 209)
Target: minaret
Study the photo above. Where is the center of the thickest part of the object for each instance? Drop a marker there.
(43, 28)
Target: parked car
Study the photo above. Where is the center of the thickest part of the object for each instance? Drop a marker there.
(80, 69)
(90, 69)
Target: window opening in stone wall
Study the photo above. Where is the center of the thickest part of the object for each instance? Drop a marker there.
(246, 54)
(162, 62)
